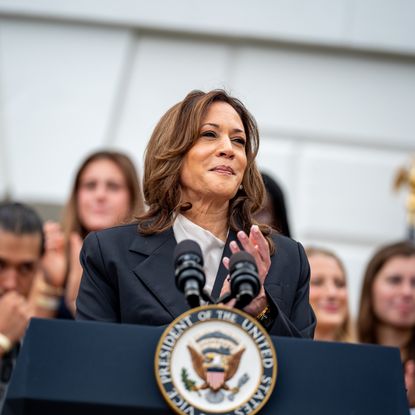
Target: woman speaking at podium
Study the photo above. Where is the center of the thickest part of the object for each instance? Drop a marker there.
(201, 182)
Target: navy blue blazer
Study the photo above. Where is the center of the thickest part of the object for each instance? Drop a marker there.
(129, 278)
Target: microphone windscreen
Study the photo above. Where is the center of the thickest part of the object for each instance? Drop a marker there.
(241, 256)
(187, 246)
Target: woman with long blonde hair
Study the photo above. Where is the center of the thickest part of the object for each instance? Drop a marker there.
(329, 296)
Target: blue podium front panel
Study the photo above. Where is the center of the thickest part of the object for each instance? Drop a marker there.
(68, 367)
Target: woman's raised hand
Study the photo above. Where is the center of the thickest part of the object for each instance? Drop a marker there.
(258, 247)
(54, 261)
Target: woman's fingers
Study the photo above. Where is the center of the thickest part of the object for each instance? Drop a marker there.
(226, 287)
(256, 242)
(234, 247)
(257, 246)
(260, 243)
(249, 247)
(225, 262)
(260, 301)
(54, 239)
(231, 303)
(54, 260)
(50, 227)
(246, 243)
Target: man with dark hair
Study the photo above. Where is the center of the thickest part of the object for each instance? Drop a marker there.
(21, 249)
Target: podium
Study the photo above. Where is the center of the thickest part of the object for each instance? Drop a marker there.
(68, 367)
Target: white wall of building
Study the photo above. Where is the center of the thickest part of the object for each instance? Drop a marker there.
(331, 84)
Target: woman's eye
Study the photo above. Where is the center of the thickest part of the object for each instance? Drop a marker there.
(340, 283)
(208, 134)
(113, 186)
(89, 185)
(316, 282)
(239, 140)
(394, 279)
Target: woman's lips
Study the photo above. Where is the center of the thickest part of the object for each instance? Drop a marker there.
(223, 170)
(330, 308)
(405, 308)
(99, 211)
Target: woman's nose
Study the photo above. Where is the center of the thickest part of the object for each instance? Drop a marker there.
(100, 191)
(408, 289)
(225, 148)
(331, 290)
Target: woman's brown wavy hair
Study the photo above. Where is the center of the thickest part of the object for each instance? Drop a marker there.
(71, 221)
(367, 321)
(173, 136)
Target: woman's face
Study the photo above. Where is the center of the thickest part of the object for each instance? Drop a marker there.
(103, 198)
(328, 291)
(394, 292)
(214, 167)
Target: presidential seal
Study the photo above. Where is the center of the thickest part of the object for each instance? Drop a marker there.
(215, 360)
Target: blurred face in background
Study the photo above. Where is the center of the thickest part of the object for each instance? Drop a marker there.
(393, 293)
(103, 198)
(19, 261)
(328, 292)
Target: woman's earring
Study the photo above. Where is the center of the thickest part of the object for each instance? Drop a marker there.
(240, 187)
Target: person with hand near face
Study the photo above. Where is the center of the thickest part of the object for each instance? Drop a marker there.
(387, 305)
(106, 192)
(329, 296)
(21, 249)
(201, 182)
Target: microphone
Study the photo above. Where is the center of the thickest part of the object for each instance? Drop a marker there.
(189, 274)
(244, 279)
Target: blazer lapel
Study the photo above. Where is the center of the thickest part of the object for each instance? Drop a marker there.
(157, 270)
